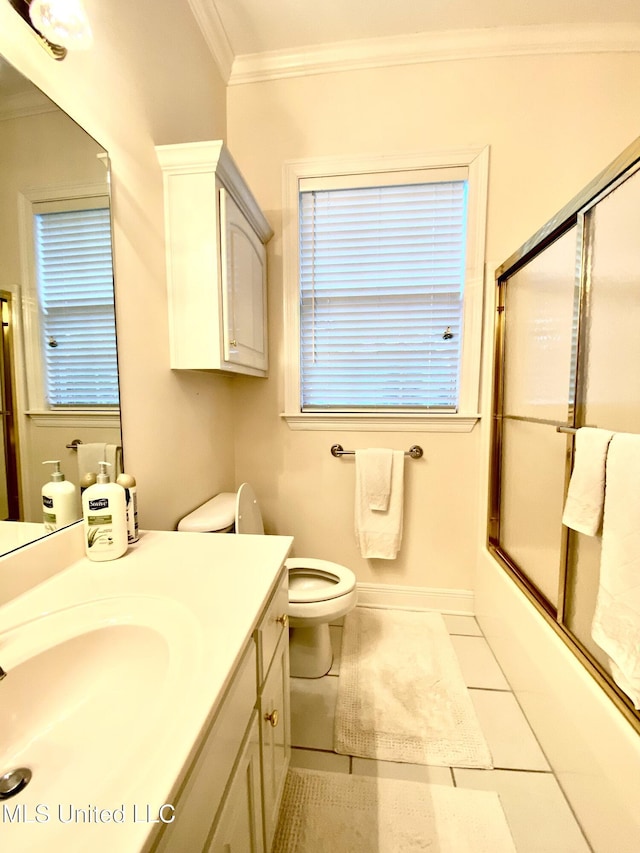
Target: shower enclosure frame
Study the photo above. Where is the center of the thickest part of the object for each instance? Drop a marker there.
(576, 214)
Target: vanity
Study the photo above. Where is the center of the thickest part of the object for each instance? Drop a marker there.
(148, 696)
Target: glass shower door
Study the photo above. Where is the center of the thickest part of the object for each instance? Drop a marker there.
(539, 305)
(609, 377)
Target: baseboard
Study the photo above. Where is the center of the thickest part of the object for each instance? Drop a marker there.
(458, 602)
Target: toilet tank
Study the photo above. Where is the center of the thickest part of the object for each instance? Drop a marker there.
(217, 515)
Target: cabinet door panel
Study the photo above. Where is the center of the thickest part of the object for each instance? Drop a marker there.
(275, 736)
(244, 270)
(239, 828)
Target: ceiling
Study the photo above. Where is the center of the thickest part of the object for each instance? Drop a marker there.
(256, 26)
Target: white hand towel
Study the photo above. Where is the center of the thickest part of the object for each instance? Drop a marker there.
(113, 455)
(616, 623)
(585, 497)
(379, 533)
(374, 467)
(88, 457)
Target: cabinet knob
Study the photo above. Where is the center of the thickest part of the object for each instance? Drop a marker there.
(273, 717)
(283, 620)
(233, 343)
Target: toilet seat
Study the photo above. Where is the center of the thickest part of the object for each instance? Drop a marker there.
(317, 580)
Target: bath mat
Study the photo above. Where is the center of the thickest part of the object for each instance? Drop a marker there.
(335, 813)
(401, 694)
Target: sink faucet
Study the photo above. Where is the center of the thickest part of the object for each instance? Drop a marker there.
(3, 674)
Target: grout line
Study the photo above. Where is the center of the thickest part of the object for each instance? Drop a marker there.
(491, 689)
(318, 749)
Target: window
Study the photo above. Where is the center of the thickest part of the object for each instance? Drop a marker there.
(71, 320)
(384, 290)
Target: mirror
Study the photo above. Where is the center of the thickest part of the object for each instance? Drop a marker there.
(58, 369)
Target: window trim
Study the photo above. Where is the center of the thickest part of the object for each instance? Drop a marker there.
(476, 160)
(33, 357)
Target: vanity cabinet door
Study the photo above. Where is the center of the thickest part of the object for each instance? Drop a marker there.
(244, 288)
(275, 736)
(239, 828)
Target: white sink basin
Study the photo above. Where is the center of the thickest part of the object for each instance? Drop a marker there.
(84, 707)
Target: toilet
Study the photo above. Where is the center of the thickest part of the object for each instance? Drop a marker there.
(319, 591)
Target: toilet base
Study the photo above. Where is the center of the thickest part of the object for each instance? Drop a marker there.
(310, 652)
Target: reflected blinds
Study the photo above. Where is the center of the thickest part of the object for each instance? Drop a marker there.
(75, 289)
(381, 286)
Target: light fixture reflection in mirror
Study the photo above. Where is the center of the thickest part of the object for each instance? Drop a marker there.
(47, 161)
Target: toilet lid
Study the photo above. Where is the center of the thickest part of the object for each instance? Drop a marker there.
(317, 580)
(248, 515)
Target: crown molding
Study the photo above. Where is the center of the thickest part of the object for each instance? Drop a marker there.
(435, 47)
(210, 23)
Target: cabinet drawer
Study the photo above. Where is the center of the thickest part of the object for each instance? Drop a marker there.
(201, 796)
(273, 623)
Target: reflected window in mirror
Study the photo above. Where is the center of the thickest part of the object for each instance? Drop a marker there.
(75, 297)
(69, 304)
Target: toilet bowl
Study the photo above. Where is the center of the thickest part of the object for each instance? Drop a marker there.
(320, 592)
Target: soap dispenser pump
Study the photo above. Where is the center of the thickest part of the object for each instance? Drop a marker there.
(105, 518)
(59, 506)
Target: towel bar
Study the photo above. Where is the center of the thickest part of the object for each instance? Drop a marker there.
(74, 444)
(415, 451)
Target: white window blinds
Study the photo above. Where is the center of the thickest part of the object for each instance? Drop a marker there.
(75, 291)
(381, 293)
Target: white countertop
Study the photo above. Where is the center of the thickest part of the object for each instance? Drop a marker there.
(220, 584)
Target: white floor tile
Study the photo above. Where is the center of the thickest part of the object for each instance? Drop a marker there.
(311, 759)
(479, 666)
(536, 810)
(511, 740)
(462, 625)
(313, 705)
(397, 770)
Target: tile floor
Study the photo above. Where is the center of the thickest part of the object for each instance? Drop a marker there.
(540, 819)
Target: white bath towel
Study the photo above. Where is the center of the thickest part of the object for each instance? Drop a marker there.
(616, 623)
(585, 497)
(113, 455)
(93, 452)
(88, 457)
(379, 533)
(373, 466)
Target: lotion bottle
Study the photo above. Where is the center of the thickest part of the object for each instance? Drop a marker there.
(128, 483)
(59, 505)
(105, 520)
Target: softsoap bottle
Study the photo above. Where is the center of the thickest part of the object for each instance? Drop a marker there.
(104, 512)
(59, 506)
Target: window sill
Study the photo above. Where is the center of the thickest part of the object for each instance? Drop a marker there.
(380, 422)
(75, 417)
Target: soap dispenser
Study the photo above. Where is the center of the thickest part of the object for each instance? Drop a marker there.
(59, 505)
(105, 518)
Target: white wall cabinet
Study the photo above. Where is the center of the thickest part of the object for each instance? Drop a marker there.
(216, 262)
(231, 796)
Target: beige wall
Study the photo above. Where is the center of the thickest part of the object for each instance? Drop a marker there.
(552, 123)
(149, 79)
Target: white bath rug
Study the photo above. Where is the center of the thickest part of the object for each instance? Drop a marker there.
(401, 694)
(338, 813)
